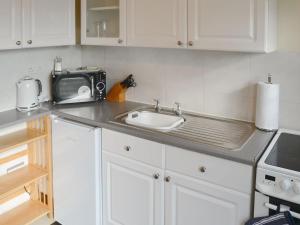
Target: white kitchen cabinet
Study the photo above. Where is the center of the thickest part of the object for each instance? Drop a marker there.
(103, 22)
(77, 186)
(48, 23)
(156, 23)
(192, 188)
(36, 23)
(10, 24)
(132, 192)
(232, 25)
(193, 202)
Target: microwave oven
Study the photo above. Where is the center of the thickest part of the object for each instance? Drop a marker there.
(81, 85)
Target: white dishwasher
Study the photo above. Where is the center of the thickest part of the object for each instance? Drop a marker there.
(76, 150)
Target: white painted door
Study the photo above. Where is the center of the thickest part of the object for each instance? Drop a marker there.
(103, 22)
(233, 25)
(157, 23)
(10, 24)
(132, 192)
(193, 202)
(76, 173)
(48, 23)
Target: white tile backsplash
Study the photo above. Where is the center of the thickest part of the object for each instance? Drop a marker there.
(37, 63)
(215, 83)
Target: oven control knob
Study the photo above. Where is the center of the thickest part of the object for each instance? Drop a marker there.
(285, 185)
(296, 188)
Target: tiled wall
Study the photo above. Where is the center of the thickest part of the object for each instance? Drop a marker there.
(217, 83)
(37, 63)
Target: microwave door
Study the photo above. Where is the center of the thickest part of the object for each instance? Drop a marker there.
(73, 88)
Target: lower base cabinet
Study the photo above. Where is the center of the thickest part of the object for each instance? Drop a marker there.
(183, 188)
(133, 192)
(192, 202)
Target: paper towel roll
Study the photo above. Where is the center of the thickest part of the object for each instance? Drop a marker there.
(267, 106)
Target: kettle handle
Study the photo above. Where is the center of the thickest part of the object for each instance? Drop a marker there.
(40, 86)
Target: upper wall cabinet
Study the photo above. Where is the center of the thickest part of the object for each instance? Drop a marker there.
(48, 22)
(156, 23)
(103, 22)
(36, 23)
(10, 24)
(232, 25)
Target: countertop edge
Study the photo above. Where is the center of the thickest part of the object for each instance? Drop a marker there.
(249, 154)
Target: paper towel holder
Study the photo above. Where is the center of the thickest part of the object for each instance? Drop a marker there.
(269, 78)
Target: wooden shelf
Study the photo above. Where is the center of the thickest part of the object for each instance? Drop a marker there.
(19, 138)
(15, 180)
(24, 214)
(104, 8)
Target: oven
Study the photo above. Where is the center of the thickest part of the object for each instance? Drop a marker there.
(267, 206)
(278, 176)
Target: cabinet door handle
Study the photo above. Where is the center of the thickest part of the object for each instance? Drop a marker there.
(191, 43)
(168, 179)
(18, 43)
(179, 43)
(127, 148)
(156, 176)
(29, 42)
(202, 169)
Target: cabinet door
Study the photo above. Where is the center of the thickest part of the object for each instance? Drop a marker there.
(132, 195)
(103, 22)
(10, 24)
(48, 23)
(233, 25)
(193, 202)
(76, 173)
(157, 23)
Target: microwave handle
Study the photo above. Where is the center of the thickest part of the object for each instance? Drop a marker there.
(40, 86)
(274, 207)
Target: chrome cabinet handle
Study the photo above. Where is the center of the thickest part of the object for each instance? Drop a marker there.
(191, 43)
(156, 176)
(29, 42)
(120, 41)
(168, 179)
(179, 43)
(127, 148)
(18, 43)
(202, 169)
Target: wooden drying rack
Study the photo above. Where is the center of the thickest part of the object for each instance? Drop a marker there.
(35, 178)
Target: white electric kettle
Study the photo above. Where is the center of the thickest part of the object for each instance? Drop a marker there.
(28, 92)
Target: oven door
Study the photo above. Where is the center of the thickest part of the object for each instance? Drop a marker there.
(267, 206)
(72, 88)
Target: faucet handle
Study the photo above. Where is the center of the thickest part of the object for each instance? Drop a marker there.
(177, 110)
(178, 105)
(157, 107)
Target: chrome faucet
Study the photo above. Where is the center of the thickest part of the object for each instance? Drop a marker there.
(177, 110)
(157, 106)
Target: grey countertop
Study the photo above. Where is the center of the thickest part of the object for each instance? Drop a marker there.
(99, 115)
(12, 117)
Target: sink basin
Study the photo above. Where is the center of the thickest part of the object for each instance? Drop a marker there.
(153, 120)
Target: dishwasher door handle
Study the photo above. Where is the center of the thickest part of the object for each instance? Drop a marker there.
(274, 207)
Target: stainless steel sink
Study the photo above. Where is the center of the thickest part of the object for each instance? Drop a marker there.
(224, 133)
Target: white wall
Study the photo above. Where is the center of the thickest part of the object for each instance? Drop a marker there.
(289, 25)
(37, 63)
(217, 83)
